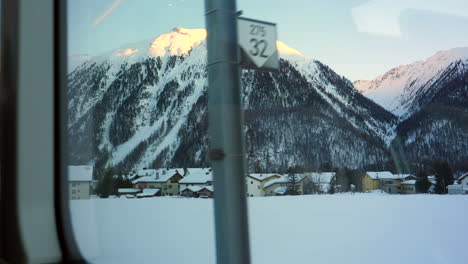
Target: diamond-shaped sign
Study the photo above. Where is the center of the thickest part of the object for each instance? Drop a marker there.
(258, 41)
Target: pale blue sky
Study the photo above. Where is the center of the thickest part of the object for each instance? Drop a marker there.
(359, 39)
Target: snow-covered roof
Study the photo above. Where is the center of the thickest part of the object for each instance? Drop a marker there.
(199, 176)
(208, 187)
(375, 175)
(198, 188)
(281, 190)
(462, 177)
(409, 182)
(403, 176)
(193, 188)
(165, 175)
(129, 196)
(128, 190)
(144, 179)
(148, 192)
(263, 176)
(283, 179)
(80, 173)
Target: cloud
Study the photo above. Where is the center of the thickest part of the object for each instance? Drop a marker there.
(127, 52)
(107, 12)
(382, 17)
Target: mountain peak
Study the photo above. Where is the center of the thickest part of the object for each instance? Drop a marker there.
(178, 42)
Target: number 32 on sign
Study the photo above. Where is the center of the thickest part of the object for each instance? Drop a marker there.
(257, 40)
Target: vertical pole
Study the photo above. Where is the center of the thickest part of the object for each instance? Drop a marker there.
(226, 133)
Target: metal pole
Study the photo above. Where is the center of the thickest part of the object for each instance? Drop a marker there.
(226, 133)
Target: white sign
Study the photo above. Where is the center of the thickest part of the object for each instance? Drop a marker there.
(258, 41)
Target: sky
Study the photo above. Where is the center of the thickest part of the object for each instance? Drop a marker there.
(360, 39)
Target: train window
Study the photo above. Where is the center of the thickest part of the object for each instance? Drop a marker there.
(136, 132)
(351, 146)
(360, 134)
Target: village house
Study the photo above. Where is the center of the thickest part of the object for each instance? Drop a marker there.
(463, 181)
(371, 179)
(280, 185)
(198, 191)
(408, 187)
(255, 183)
(168, 181)
(196, 177)
(79, 182)
(387, 181)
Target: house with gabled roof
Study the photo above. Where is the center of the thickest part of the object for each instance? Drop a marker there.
(280, 185)
(198, 177)
(463, 181)
(255, 183)
(166, 180)
(79, 182)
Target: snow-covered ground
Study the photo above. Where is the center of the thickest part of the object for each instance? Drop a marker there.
(361, 228)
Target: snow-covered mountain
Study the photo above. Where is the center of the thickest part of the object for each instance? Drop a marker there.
(407, 88)
(431, 100)
(145, 104)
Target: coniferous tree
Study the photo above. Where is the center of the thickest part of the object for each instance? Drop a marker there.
(331, 188)
(293, 182)
(444, 177)
(422, 182)
(105, 185)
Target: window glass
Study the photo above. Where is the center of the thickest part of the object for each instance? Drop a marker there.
(368, 93)
(137, 116)
(355, 141)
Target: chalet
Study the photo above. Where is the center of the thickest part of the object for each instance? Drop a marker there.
(79, 182)
(145, 182)
(255, 183)
(196, 177)
(168, 182)
(206, 192)
(198, 191)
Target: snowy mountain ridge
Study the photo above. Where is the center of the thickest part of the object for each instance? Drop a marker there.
(398, 89)
(144, 104)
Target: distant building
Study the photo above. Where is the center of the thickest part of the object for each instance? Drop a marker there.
(166, 180)
(195, 177)
(463, 181)
(79, 181)
(371, 179)
(272, 187)
(255, 183)
(455, 189)
(408, 187)
(198, 191)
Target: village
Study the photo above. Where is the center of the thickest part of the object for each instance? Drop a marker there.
(198, 183)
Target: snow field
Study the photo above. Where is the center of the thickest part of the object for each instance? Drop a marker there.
(361, 228)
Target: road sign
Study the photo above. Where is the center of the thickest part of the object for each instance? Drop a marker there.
(257, 40)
